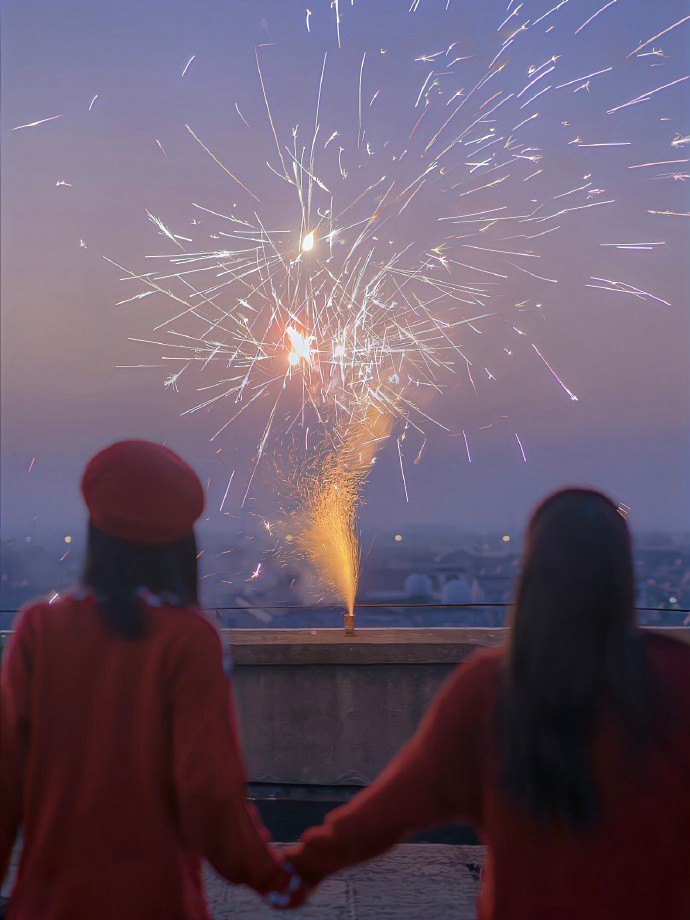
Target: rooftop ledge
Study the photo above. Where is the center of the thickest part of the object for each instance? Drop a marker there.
(367, 646)
(437, 645)
(319, 707)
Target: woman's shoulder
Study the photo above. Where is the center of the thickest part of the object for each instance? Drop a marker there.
(669, 654)
(485, 664)
(476, 679)
(189, 639)
(47, 621)
(183, 625)
(39, 610)
(665, 644)
(669, 666)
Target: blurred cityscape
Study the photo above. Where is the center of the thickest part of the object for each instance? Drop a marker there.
(426, 576)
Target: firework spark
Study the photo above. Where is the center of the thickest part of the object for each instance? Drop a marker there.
(187, 66)
(34, 124)
(594, 16)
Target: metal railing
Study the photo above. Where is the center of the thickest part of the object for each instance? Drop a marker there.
(382, 605)
(385, 605)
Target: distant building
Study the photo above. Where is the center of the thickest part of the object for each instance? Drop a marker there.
(419, 587)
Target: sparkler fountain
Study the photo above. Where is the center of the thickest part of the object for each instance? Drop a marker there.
(330, 495)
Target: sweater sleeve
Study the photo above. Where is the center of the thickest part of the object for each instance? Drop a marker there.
(15, 690)
(435, 779)
(209, 773)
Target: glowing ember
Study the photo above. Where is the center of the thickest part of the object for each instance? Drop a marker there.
(308, 242)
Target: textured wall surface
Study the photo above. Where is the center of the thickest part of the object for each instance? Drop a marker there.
(317, 707)
(330, 724)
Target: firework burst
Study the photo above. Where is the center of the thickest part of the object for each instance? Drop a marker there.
(393, 254)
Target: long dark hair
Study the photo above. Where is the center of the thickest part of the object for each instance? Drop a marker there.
(574, 649)
(116, 571)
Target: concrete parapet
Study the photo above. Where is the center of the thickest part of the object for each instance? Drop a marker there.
(321, 708)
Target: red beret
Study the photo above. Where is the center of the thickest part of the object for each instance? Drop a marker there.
(142, 492)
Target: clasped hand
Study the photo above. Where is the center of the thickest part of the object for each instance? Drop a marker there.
(293, 895)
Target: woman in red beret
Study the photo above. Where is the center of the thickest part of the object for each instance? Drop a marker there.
(119, 751)
(569, 751)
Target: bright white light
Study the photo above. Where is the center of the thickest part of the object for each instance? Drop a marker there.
(308, 242)
(301, 346)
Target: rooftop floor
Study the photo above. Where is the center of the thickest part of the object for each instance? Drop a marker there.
(414, 881)
(432, 881)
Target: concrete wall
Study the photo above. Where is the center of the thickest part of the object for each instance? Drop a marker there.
(319, 707)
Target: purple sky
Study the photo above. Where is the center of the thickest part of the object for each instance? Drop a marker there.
(63, 396)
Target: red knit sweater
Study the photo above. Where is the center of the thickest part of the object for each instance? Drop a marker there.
(121, 761)
(633, 865)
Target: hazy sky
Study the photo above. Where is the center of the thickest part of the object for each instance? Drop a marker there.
(626, 358)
